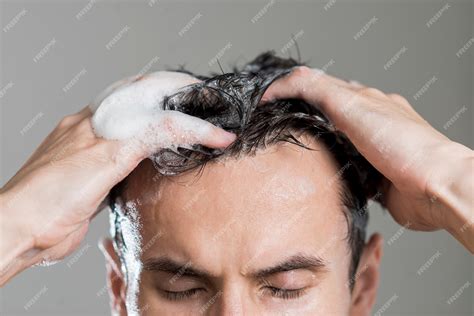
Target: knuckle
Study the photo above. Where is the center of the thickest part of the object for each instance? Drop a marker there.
(302, 71)
(299, 78)
(370, 91)
(85, 124)
(66, 121)
(84, 128)
(397, 98)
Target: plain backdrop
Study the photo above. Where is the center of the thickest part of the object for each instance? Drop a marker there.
(57, 55)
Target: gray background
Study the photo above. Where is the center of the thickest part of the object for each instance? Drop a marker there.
(33, 100)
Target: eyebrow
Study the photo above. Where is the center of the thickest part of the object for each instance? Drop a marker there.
(165, 264)
(300, 261)
(295, 262)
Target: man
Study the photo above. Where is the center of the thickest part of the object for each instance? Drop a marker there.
(275, 222)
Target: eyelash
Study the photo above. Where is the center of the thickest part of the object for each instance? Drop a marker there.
(181, 295)
(274, 291)
(284, 293)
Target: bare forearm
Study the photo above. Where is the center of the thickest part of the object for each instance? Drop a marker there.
(16, 252)
(451, 190)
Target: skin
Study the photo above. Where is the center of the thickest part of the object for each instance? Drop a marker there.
(290, 209)
(433, 191)
(421, 190)
(48, 204)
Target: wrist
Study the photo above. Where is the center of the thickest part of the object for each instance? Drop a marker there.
(15, 242)
(450, 188)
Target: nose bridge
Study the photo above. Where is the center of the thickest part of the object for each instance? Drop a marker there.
(232, 301)
(232, 305)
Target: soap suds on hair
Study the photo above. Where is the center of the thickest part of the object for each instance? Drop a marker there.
(132, 109)
(129, 223)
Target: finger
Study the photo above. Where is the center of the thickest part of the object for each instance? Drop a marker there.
(85, 112)
(187, 130)
(356, 84)
(283, 88)
(295, 84)
(71, 120)
(303, 81)
(366, 90)
(339, 81)
(372, 93)
(400, 100)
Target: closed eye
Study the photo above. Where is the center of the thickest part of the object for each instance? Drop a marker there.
(181, 295)
(285, 294)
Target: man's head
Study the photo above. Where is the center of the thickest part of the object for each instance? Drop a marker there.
(274, 223)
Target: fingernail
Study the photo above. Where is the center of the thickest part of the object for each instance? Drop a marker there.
(228, 136)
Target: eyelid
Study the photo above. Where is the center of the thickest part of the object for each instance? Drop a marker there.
(289, 280)
(285, 294)
(181, 295)
(284, 291)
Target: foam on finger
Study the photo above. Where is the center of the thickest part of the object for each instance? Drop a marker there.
(131, 109)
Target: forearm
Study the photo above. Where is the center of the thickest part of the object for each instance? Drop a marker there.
(16, 248)
(451, 192)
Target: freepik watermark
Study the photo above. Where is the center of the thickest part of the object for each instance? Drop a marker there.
(365, 28)
(437, 15)
(190, 24)
(79, 253)
(428, 263)
(85, 9)
(395, 58)
(465, 47)
(329, 4)
(180, 273)
(398, 234)
(358, 274)
(291, 42)
(262, 11)
(425, 88)
(219, 54)
(14, 21)
(458, 293)
(117, 37)
(74, 80)
(454, 118)
(387, 305)
(152, 241)
(35, 298)
(148, 66)
(44, 50)
(209, 303)
(30, 124)
(4, 90)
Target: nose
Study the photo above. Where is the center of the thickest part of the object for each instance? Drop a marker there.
(230, 301)
(232, 305)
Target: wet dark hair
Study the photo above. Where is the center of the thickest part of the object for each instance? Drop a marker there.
(231, 101)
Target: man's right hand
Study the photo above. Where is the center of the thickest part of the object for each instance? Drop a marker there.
(46, 207)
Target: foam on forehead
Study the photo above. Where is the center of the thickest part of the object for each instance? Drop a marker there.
(127, 107)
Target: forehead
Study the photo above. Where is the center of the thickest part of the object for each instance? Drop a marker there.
(284, 197)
